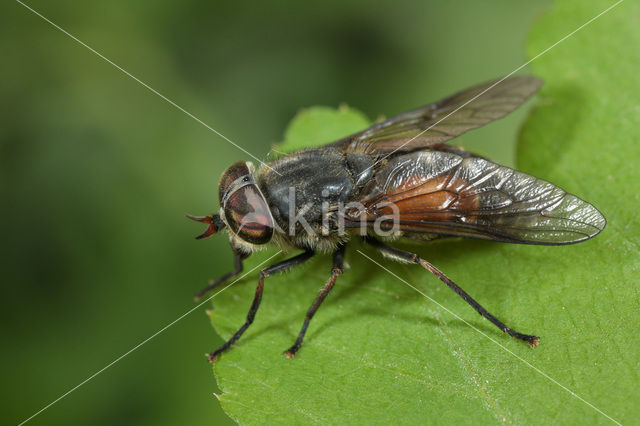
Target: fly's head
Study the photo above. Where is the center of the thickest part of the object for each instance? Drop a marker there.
(243, 208)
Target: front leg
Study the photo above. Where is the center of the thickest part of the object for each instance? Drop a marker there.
(238, 258)
(269, 270)
(336, 271)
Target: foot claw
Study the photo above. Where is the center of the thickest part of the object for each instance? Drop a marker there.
(535, 341)
(289, 354)
(212, 357)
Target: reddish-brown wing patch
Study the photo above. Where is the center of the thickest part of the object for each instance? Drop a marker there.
(442, 198)
(448, 194)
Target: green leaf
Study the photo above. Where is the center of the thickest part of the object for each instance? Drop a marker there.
(379, 352)
(320, 125)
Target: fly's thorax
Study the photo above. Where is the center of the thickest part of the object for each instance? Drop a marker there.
(305, 190)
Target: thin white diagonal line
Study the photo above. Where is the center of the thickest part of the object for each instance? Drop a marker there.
(143, 84)
(142, 343)
(496, 83)
(527, 363)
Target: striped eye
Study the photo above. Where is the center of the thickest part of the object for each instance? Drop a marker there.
(248, 215)
(246, 212)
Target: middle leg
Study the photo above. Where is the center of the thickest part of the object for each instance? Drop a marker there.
(269, 270)
(336, 271)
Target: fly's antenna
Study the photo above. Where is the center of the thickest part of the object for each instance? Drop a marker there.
(214, 221)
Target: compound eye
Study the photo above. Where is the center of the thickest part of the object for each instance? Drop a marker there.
(248, 216)
(231, 175)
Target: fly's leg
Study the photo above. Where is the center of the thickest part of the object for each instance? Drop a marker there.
(336, 271)
(414, 258)
(269, 270)
(238, 258)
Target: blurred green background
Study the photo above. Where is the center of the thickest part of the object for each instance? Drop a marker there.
(97, 171)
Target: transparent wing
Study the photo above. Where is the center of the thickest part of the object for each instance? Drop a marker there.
(444, 193)
(444, 120)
